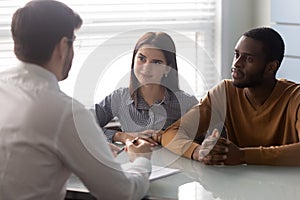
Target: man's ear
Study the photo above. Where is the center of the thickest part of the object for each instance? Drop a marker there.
(62, 47)
(272, 66)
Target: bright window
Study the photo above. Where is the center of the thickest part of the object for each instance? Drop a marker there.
(108, 35)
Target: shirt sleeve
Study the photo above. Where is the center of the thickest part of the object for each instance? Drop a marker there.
(109, 133)
(85, 152)
(190, 101)
(104, 115)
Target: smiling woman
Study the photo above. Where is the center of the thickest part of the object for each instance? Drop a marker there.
(153, 100)
(150, 66)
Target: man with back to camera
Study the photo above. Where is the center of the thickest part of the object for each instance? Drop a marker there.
(260, 113)
(46, 135)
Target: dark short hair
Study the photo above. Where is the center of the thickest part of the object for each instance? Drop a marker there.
(40, 25)
(165, 43)
(273, 43)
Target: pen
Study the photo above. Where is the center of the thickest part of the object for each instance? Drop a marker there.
(134, 141)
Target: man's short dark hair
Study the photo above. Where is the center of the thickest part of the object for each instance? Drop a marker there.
(40, 25)
(272, 42)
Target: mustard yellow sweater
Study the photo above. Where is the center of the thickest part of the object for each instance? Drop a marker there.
(269, 134)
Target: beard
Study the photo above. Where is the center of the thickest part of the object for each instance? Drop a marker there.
(251, 81)
(246, 84)
(67, 65)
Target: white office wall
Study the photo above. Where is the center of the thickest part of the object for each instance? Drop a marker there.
(237, 17)
(262, 12)
(285, 19)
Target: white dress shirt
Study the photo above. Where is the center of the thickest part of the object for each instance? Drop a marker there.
(46, 135)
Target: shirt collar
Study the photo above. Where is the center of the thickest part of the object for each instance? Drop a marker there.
(141, 103)
(39, 70)
(38, 73)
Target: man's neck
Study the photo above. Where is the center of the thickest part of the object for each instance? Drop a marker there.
(258, 95)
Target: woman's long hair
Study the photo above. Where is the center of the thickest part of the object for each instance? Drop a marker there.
(163, 42)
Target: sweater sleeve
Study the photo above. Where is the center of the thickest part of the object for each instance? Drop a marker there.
(184, 136)
(178, 138)
(284, 155)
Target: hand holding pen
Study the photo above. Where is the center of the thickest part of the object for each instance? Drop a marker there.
(134, 141)
(138, 148)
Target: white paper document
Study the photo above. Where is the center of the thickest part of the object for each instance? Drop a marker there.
(160, 172)
(157, 171)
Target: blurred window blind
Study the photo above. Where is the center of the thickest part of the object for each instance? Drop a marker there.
(195, 19)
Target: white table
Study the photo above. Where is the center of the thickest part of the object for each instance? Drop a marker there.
(223, 183)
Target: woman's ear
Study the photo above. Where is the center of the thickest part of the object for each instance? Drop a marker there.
(168, 69)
